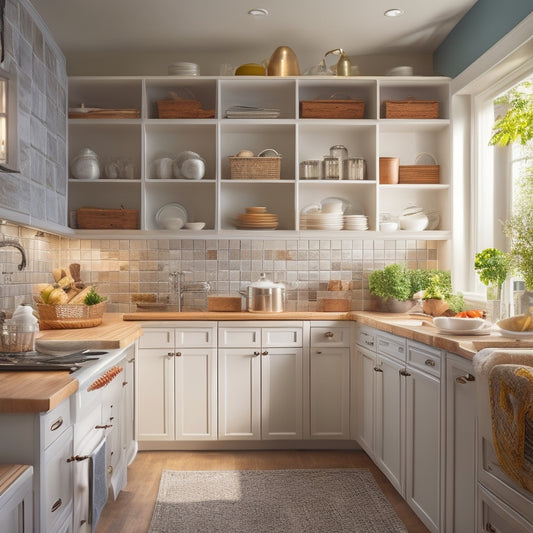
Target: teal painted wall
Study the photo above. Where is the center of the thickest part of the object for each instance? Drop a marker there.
(485, 24)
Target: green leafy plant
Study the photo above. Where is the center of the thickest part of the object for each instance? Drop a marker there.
(392, 282)
(93, 298)
(456, 302)
(519, 228)
(439, 287)
(492, 265)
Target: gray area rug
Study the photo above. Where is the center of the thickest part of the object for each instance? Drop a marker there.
(273, 501)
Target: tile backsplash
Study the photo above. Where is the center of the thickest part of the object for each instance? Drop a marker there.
(120, 268)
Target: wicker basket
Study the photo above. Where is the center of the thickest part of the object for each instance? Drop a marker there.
(347, 109)
(255, 168)
(67, 316)
(411, 109)
(177, 108)
(419, 174)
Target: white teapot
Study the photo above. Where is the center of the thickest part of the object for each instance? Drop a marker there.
(85, 165)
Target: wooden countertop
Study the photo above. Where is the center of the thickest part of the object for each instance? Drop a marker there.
(231, 315)
(464, 345)
(33, 392)
(9, 474)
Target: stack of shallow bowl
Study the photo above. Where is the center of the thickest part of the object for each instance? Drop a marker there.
(327, 216)
(257, 218)
(355, 222)
(183, 68)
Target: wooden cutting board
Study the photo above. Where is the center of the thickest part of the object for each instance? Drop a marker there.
(106, 113)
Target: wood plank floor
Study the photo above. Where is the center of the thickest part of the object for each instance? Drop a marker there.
(132, 511)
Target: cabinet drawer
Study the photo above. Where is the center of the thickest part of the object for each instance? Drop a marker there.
(424, 358)
(391, 345)
(239, 337)
(330, 336)
(366, 337)
(157, 338)
(195, 337)
(282, 337)
(55, 422)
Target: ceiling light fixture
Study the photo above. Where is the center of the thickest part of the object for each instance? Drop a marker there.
(395, 12)
(258, 12)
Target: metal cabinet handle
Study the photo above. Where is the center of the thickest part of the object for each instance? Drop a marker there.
(329, 334)
(378, 369)
(465, 379)
(489, 527)
(264, 353)
(177, 354)
(104, 426)
(256, 354)
(57, 504)
(124, 383)
(57, 424)
(77, 458)
(404, 372)
(429, 362)
(318, 353)
(369, 343)
(170, 354)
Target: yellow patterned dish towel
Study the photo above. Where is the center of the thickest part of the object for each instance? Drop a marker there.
(511, 404)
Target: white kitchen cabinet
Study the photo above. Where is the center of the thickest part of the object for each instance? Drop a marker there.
(461, 402)
(260, 377)
(177, 383)
(329, 381)
(128, 401)
(16, 503)
(217, 199)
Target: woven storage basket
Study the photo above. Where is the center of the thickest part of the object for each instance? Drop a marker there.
(255, 168)
(103, 218)
(411, 109)
(419, 173)
(351, 109)
(67, 316)
(177, 108)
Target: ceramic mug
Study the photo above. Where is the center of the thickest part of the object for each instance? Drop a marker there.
(163, 168)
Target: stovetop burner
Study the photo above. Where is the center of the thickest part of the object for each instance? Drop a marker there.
(40, 361)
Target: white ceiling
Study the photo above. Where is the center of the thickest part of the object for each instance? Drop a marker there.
(223, 27)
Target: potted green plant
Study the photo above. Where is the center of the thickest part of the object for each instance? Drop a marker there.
(436, 294)
(391, 288)
(492, 265)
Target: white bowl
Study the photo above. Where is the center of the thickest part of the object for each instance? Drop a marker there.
(458, 324)
(172, 223)
(193, 169)
(388, 226)
(195, 225)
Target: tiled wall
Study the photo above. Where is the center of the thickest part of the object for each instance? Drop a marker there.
(121, 268)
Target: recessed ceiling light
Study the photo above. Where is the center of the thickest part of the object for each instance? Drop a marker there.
(395, 12)
(258, 12)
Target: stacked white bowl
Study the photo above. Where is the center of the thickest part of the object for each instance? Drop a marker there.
(183, 68)
(356, 222)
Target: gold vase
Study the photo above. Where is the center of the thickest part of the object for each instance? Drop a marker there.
(283, 62)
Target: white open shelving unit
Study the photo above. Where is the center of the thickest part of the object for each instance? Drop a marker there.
(217, 199)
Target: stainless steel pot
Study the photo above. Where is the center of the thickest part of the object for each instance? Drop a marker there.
(265, 296)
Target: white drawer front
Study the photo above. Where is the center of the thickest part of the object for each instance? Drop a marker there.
(55, 422)
(392, 345)
(282, 337)
(157, 338)
(366, 337)
(239, 337)
(195, 337)
(424, 358)
(330, 336)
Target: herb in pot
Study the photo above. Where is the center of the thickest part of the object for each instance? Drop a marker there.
(93, 298)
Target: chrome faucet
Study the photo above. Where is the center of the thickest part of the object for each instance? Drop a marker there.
(176, 279)
(19, 247)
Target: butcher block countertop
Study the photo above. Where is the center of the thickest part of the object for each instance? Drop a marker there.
(33, 392)
(234, 315)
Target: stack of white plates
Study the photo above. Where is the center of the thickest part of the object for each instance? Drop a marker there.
(356, 222)
(319, 220)
(183, 68)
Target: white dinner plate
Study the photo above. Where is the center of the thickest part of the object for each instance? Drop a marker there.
(523, 335)
(172, 210)
(485, 330)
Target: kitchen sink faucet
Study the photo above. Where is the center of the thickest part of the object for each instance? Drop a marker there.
(19, 247)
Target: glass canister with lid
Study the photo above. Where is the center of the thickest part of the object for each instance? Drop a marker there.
(354, 168)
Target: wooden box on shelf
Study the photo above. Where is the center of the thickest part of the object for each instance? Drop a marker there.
(349, 109)
(411, 109)
(255, 168)
(178, 108)
(100, 218)
(419, 174)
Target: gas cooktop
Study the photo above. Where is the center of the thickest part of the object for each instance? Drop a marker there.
(41, 361)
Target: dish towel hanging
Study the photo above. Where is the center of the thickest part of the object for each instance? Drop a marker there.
(511, 404)
(98, 483)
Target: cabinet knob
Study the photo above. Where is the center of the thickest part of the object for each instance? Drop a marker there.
(369, 343)
(256, 354)
(264, 353)
(377, 369)
(177, 354)
(489, 527)
(170, 354)
(56, 505)
(329, 334)
(429, 362)
(465, 379)
(57, 424)
(404, 373)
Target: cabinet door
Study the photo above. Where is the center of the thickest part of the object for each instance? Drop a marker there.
(364, 396)
(195, 381)
(460, 445)
(330, 393)
(390, 421)
(16, 505)
(423, 450)
(128, 409)
(282, 401)
(239, 394)
(156, 394)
